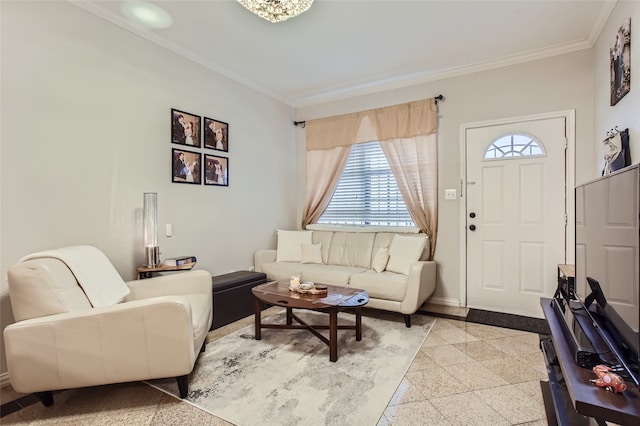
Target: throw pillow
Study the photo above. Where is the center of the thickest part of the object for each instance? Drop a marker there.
(289, 245)
(311, 253)
(380, 259)
(403, 251)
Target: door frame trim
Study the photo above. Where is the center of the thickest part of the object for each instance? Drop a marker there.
(570, 160)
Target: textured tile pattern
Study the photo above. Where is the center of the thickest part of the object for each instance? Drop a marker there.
(471, 374)
(464, 374)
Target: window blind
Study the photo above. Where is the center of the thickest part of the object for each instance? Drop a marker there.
(367, 193)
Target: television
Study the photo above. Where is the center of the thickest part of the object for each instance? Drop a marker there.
(607, 276)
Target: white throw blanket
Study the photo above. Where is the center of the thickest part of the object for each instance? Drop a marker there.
(95, 274)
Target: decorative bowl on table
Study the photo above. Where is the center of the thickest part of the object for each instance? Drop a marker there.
(307, 287)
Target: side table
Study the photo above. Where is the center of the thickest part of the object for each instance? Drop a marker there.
(148, 271)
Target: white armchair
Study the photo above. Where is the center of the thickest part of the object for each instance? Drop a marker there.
(70, 332)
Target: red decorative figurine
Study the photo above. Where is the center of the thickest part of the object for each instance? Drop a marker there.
(608, 380)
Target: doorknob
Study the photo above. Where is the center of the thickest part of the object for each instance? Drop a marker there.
(472, 215)
(472, 227)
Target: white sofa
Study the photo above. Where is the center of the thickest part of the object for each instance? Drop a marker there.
(389, 266)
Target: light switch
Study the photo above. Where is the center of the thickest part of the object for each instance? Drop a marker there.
(450, 194)
(169, 231)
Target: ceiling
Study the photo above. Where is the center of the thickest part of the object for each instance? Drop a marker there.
(342, 48)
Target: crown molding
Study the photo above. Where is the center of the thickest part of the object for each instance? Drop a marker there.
(605, 11)
(430, 76)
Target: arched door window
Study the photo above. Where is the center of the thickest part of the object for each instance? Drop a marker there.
(514, 145)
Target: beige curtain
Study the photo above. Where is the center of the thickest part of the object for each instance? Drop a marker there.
(408, 137)
(324, 168)
(414, 163)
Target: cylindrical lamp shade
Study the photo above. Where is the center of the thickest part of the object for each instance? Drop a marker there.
(150, 229)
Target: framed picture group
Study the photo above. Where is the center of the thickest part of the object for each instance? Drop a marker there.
(188, 164)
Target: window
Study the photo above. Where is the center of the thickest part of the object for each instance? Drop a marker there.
(514, 145)
(367, 193)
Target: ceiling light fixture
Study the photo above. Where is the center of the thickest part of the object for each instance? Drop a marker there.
(147, 14)
(277, 10)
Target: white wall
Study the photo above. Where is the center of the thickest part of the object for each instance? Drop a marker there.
(626, 113)
(86, 130)
(553, 84)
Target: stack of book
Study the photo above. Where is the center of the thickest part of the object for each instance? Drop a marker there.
(179, 261)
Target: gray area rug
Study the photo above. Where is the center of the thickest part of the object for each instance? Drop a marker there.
(287, 379)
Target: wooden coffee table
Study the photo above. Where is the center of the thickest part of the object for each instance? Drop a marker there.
(277, 293)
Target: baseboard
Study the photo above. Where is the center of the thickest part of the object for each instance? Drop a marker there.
(443, 301)
(4, 380)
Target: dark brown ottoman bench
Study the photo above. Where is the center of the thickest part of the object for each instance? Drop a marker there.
(232, 297)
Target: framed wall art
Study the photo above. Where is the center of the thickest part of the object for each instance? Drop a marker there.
(620, 54)
(185, 128)
(186, 166)
(216, 134)
(216, 170)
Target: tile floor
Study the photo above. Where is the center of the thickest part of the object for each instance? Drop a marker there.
(464, 374)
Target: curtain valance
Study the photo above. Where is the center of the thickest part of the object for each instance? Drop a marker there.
(418, 118)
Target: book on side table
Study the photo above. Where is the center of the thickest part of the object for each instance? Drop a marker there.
(179, 264)
(178, 260)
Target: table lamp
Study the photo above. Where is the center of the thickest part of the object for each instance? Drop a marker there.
(150, 230)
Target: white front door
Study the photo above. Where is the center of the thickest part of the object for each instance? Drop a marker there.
(515, 214)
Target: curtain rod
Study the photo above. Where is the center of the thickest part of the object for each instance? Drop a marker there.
(304, 123)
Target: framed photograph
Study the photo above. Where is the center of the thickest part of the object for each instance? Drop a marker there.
(216, 170)
(216, 134)
(185, 128)
(186, 166)
(620, 54)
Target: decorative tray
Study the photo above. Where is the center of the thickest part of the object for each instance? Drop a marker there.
(314, 290)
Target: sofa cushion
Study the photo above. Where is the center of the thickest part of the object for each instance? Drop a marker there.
(380, 259)
(403, 251)
(42, 287)
(324, 238)
(329, 274)
(92, 270)
(383, 240)
(317, 273)
(385, 285)
(278, 271)
(311, 253)
(289, 245)
(351, 249)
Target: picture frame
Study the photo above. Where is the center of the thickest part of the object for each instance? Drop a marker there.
(620, 56)
(185, 128)
(216, 134)
(216, 170)
(186, 166)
